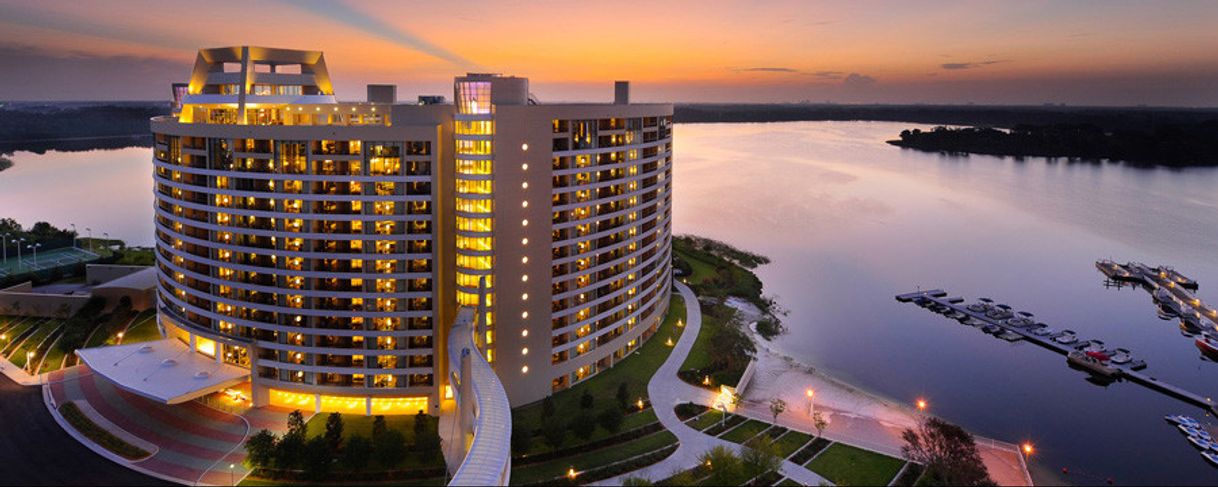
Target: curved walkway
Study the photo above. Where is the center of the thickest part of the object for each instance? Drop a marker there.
(36, 450)
(666, 391)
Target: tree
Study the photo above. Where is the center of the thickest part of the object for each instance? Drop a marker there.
(948, 452)
(760, 456)
(611, 419)
(289, 451)
(317, 458)
(260, 449)
(555, 433)
(389, 448)
(420, 425)
(583, 425)
(378, 426)
(356, 453)
(547, 408)
(818, 422)
(724, 466)
(296, 424)
(623, 395)
(334, 431)
(586, 401)
(522, 441)
(777, 406)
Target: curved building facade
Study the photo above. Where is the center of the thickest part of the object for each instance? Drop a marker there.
(327, 246)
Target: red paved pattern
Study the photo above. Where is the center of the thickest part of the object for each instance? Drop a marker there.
(197, 443)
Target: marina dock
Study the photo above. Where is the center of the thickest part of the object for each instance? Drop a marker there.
(1016, 326)
(1152, 279)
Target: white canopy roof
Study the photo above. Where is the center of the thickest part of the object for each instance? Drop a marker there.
(164, 370)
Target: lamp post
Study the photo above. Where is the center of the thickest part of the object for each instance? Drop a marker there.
(20, 263)
(1027, 449)
(73, 234)
(120, 339)
(90, 230)
(4, 246)
(35, 248)
(922, 405)
(811, 404)
(29, 361)
(232, 478)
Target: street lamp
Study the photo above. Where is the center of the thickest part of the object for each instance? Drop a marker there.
(922, 405)
(811, 405)
(73, 234)
(571, 473)
(120, 338)
(29, 361)
(1027, 448)
(90, 230)
(35, 247)
(4, 246)
(232, 479)
(20, 263)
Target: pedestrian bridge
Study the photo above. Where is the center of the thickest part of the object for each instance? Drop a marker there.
(483, 412)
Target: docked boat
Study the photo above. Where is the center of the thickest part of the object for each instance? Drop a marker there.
(1066, 337)
(1208, 345)
(1121, 356)
(1211, 457)
(978, 307)
(1200, 443)
(998, 314)
(1019, 322)
(1168, 305)
(1179, 419)
(1092, 362)
(1043, 331)
(1010, 336)
(1096, 346)
(991, 329)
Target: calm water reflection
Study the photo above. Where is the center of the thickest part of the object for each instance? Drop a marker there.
(850, 221)
(107, 190)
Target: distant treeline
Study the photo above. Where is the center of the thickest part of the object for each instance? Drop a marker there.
(1123, 118)
(1181, 144)
(76, 126)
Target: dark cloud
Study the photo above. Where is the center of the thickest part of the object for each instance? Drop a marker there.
(956, 66)
(855, 80)
(32, 73)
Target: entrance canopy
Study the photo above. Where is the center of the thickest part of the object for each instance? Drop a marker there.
(164, 370)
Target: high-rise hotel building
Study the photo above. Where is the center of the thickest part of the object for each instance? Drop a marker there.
(326, 246)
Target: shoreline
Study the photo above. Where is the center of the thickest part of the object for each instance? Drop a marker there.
(855, 415)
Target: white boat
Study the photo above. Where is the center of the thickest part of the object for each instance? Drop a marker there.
(1211, 457)
(1066, 337)
(1180, 419)
(1200, 443)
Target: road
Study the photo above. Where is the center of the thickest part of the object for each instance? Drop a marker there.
(34, 450)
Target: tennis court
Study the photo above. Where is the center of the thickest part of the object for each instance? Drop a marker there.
(47, 259)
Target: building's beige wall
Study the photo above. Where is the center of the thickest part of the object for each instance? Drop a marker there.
(98, 273)
(20, 301)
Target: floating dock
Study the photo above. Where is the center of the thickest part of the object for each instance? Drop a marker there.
(1153, 279)
(1011, 325)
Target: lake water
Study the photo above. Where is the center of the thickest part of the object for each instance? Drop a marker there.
(850, 222)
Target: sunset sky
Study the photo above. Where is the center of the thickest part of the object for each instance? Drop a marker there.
(1025, 52)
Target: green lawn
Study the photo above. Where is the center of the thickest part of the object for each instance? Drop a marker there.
(632, 421)
(788, 482)
(635, 370)
(847, 465)
(541, 472)
(143, 329)
(53, 359)
(715, 317)
(15, 332)
(742, 433)
(706, 420)
(107, 332)
(791, 443)
(45, 328)
(255, 481)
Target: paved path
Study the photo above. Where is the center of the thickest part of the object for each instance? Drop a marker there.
(35, 450)
(196, 444)
(666, 390)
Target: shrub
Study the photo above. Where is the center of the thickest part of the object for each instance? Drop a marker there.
(378, 426)
(586, 401)
(688, 410)
(317, 458)
(611, 419)
(296, 424)
(555, 433)
(356, 453)
(389, 448)
(623, 395)
(289, 451)
(522, 441)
